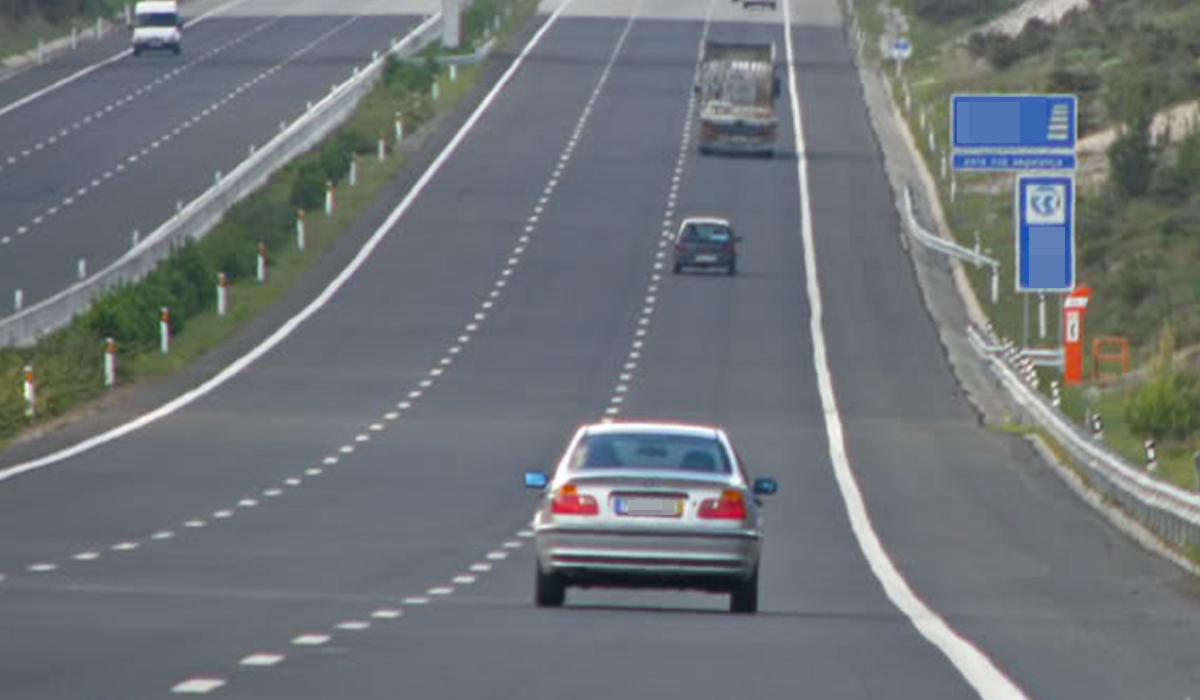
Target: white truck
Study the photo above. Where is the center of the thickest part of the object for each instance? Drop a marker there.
(738, 89)
(157, 26)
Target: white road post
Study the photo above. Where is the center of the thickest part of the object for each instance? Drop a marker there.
(99, 27)
(354, 170)
(399, 128)
(1196, 470)
(1097, 427)
(178, 207)
(329, 197)
(222, 293)
(1151, 456)
(81, 268)
(216, 178)
(164, 331)
(381, 151)
(453, 73)
(110, 363)
(933, 148)
(137, 237)
(18, 300)
(74, 38)
(300, 230)
(30, 393)
(953, 187)
(1041, 315)
(260, 264)
(41, 52)
(995, 284)
(1055, 396)
(436, 90)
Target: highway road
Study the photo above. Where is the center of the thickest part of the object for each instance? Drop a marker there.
(344, 518)
(116, 149)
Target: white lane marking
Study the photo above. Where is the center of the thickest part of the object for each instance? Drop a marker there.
(440, 590)
(346, 449)
(310, 640)
(481, 567)
(198, 686)
(286, 330)
(464, 579)
(313, 471)
(497, 555)
(330, 461)
(353, 625)
(512, 544)
(43, 568)
(391, 415)
(247, 503)
(416, 600)
(194, 523)
(86, 556)
(404, 405)
(125, 546)
(375, 427)
(387, 614)
(525, 533)
(362, 438)
(979, 671)
(272, 493)
(292, 481)
(261, 659)
(162, 535)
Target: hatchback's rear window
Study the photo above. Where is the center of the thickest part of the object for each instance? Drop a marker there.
(651, 452)
(707, 233)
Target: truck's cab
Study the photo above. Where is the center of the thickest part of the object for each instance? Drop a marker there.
(157, 26)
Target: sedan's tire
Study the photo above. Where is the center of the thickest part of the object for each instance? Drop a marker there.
(550, 591)
(732, 270)
(744, 596)
(677, 268)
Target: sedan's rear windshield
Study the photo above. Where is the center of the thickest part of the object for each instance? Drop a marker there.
(157, 19)
(651, 452)
(707, 233)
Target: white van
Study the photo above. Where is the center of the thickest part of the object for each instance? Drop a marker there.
(157, 25)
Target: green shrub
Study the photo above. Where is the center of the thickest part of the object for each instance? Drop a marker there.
(308, 189)
(1131, 158)
(1166, 407)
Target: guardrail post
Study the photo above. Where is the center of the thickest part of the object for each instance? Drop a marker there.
(222, 293)
(1196, 469)
(30, 393)
(178, 207)
(18, 299)
(99, 27)
(74, 38)
(300, 230)
(329, 197)
(1151, 456)
(81, 268)
(260, 264)
(217, 178)
(252, 151)
(110, 363)
(137, 237)
(164, 331)
(41, 52)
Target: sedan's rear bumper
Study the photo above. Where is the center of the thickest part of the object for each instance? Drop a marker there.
(641, 558)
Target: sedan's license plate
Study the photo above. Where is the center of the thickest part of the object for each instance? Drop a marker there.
(654, 507)
(706, 258)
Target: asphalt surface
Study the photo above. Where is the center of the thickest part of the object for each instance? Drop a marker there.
(355, 474)
(117, 149)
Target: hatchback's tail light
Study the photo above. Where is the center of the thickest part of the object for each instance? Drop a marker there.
(568, 501)
(730, 506)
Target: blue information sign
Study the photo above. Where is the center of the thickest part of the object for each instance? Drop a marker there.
(1013, 161)
(1045, 239)
(1013, 123)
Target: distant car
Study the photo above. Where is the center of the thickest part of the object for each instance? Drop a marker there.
(761, 3)
(157, 26)
(649, 505)
(706, 242)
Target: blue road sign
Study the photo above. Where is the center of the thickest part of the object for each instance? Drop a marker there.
(1013, 122)
(1013, 161)
(1045, 219)
(902, 48)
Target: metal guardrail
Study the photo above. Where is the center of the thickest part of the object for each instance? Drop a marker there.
(1171, 512)
(205, 211)
(949, 247)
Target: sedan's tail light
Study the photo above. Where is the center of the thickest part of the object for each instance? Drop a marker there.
(568, 501)
(730, 506)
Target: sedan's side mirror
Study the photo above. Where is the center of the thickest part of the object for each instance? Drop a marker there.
(765, 486)
(536, 480)
(776, 87)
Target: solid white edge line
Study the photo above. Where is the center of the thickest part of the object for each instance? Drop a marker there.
(976, 668)
(315, 305)
(97, 66)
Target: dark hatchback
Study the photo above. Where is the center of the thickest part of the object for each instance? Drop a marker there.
(707, 243)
